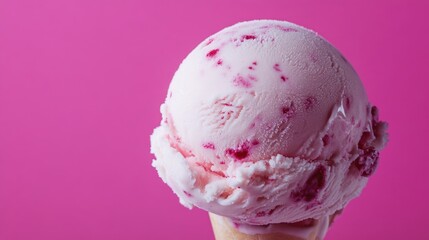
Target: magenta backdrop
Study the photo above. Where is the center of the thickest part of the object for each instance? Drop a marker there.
(80, 87)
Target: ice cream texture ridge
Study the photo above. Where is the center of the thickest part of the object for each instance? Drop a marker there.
(266, 122)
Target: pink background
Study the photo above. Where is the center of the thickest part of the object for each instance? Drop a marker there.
(80, 87)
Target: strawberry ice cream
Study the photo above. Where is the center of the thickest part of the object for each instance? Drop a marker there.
(266, 122)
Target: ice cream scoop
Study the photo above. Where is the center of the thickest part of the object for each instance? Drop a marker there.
(265, 122)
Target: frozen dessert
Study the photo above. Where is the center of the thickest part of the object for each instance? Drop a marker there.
(265, 122)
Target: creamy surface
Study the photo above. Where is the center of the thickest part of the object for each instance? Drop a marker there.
(265, 122)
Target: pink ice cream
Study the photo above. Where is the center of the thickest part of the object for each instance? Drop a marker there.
(266, 122)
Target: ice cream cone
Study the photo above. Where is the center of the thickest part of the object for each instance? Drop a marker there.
(224, 230)
(253, 128)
